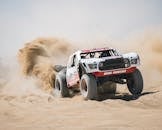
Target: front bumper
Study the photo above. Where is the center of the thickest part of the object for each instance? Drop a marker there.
(114, 72)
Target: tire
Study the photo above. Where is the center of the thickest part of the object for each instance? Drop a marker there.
(88, 87)
(135, 82)
(61, 89)
(108, 87)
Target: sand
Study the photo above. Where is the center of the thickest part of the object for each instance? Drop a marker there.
(37, 112)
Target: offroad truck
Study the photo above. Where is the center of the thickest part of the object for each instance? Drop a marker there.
(97, 71)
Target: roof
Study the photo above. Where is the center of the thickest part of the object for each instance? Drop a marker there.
(95, 50)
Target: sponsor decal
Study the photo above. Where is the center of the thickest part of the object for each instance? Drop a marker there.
(119, 71)
(115, 72)
(107, 73)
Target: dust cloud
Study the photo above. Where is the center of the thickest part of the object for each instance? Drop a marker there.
(39, 57)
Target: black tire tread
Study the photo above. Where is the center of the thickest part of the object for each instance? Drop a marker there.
(137, 86)
(64, 91)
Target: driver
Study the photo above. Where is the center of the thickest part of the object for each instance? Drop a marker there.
(92, 55)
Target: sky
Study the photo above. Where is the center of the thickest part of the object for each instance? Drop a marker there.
(75, 20)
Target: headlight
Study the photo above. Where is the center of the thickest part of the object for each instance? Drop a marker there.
(127, 63)
(92, 66)
(133, 61)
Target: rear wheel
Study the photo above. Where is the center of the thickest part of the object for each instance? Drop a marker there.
(88, 87)
(61, 89)
(135, 82)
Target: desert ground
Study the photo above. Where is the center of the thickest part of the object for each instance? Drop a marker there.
(45, 112)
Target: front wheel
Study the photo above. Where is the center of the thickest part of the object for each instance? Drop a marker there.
(135, 82)
(88, 87)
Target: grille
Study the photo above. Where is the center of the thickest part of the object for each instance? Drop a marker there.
(112, 64)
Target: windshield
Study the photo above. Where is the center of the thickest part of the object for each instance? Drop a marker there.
(99, 54)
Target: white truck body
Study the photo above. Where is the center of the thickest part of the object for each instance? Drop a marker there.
(75, 59)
